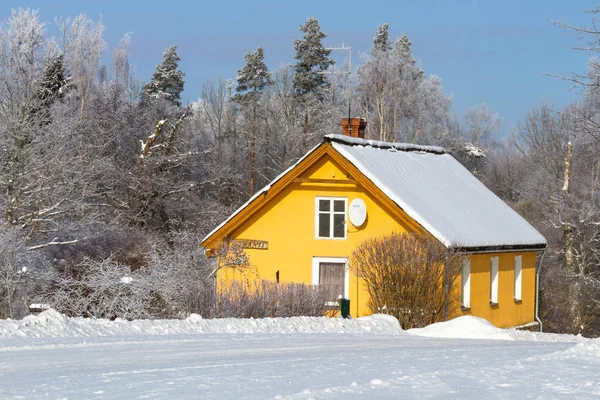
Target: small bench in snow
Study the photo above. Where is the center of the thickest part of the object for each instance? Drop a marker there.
(37, 308)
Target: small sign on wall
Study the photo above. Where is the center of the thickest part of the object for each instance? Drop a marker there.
(253, 244)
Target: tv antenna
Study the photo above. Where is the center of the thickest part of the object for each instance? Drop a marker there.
(343, 47)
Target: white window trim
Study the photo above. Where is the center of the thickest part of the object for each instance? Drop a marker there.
(518, 278)
(465, 295)
(494, 278)
(316, 261)
(345, 199)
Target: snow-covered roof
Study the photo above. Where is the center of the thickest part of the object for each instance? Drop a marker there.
(439, 193)
(433, 189)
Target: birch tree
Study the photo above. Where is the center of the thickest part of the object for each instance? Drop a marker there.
(83, 44)
(21, 63)
(482, 124)
(389, 84)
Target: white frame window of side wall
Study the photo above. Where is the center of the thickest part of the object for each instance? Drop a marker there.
(316, 263)
(518, 277)
(494, 280)
(332, 215)
(465, 294)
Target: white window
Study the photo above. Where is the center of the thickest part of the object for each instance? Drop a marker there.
(494, 280)
(465, 294)
(518, 277)
(330, 217)
(332, 272)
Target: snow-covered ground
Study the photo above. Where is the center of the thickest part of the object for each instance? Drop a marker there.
(51, 356)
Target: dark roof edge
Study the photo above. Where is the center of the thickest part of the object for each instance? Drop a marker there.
(503, 248)
(352, 141)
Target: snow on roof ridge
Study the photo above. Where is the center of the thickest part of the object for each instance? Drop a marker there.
(343, 139)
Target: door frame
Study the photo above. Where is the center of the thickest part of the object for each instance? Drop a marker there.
(316, 261)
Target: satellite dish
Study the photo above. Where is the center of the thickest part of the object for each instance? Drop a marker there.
(358, 212)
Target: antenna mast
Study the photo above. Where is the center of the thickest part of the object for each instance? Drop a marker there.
(343, 47)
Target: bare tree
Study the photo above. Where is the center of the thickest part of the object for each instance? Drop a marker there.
(482, 124)
(83, 44)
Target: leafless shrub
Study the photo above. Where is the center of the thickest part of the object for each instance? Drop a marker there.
(144, 282)
(269, 299)
(21, 271)
(407, 276)
(182, 278)
(569, 303)
(106, 289)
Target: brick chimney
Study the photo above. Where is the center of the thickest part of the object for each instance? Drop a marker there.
(354, 127)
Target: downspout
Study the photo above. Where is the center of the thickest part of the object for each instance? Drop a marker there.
(537, 288)
(446, 291)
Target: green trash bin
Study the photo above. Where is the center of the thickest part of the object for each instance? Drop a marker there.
(345, 308)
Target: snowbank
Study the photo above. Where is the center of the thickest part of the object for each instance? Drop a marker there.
(468, 327)
(587, 350)
(50, 323)
(53, 324)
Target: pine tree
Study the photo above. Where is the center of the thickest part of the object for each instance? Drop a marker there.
(167, 81)
(403, 52)
(381, 41)
(313, 61)
(251, 81)
(55, 84)
(253, 78)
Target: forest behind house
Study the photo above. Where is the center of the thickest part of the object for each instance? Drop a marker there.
(108, 184)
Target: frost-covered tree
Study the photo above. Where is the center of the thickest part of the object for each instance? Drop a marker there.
(55, 81)
(20, 271)
(167, 81)
(54, 86)
(253, 78)
(389, 85)
(381, 41)
(83, 44)
(22, 57)
(431, 120)
(310, 82)
(215, 120)
(482, 124)
(313, 60)
(124, 76)
(284, 113)
(251, 82)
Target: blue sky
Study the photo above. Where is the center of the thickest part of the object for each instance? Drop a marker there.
(484, 51)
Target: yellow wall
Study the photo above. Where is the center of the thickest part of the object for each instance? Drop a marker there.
(287, 223)
(507, 312)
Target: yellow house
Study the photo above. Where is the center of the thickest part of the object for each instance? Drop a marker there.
(304, 225)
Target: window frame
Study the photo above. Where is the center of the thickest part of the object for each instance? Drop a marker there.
(494, 279)
(465, 291)
(518, 278)
(332, 213)
(316, 264)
